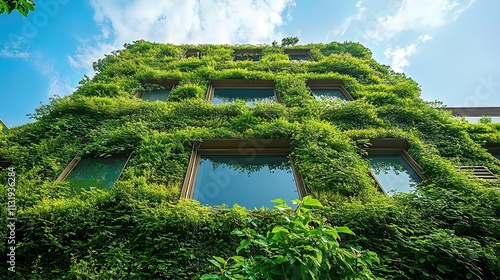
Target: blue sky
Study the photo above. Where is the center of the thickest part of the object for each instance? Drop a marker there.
(450, 47)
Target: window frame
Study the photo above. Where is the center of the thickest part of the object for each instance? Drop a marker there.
(240, 84)
(292, 52)
(329, 84)
(74, 162)
(167, 83)
(393, 146)
(240, 147)
(192, 53)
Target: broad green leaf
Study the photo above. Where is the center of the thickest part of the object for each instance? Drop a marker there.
(344, 230)
(279, 229)
(309, 201)
(221, 260)
(243, 245)
(209, 276)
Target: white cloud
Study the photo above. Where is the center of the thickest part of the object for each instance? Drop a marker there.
(181, 22)
(15, 49)
(58, 85)
(399, 56)
(418, 15)
(380, 23)
(424, 38)
(20, 48)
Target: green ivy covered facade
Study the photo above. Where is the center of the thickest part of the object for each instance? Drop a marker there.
(448, 228)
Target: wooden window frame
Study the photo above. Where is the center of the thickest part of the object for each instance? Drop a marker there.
(292, 52)
(238, 147)
(240, 84)
(329, 84)
(393, 146)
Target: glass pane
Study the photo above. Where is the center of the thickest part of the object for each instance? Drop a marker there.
(249, 181)
(244, 57)
(497, 156)
(394, 173)
(250, 95)
(478, 119)
(96, 172)
(156, 95)
(298, 57)
(330, 93)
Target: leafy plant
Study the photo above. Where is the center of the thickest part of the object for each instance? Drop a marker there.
(302, 246)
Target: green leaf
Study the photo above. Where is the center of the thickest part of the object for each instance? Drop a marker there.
(309, 201)
(209, 276)
(214, 262)
(344, 230)
(279, 229)
(243, 245)
(221, 260)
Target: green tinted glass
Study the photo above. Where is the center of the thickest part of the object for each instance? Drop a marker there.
(96, 172)
(250, 95)
(156, 95)
(332, 93)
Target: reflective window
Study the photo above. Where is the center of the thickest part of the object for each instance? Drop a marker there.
(247, 56)
(250, 95)
(156, 95)
(299, 57)
(96, 172)
(331, 93)
(249, 181)
(393, 173)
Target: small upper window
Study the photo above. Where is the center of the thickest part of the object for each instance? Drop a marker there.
(247, 54)
(298, 54)
(391, 166)
(251, 91)
(477, 114)
(193, 53)
(157, 91)
(329, 89)
(249, 173)
(93, 172)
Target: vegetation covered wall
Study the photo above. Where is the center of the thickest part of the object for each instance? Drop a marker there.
(447, 229)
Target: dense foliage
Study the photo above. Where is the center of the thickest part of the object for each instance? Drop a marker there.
(447, 229)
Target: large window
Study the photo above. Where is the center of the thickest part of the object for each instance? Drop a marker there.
(391, 166)
(249, 173)
(250, 91)
(477, 114)
(298, 54)
(157, 91)
(93, 172)
(328, 89)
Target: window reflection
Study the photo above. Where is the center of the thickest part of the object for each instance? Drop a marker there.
(96, 172)
(249, 181)
(393, 173)
(229, 95)
(156, 95)
(332, 93)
